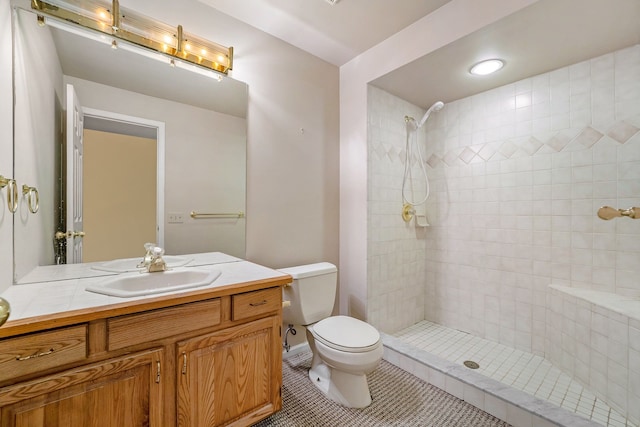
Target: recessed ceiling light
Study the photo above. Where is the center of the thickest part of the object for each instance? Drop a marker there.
(488, 66)
(332, 1)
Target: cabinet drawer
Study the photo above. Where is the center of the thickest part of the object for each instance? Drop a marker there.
(250, 304)
(44, 350)
(162, 323)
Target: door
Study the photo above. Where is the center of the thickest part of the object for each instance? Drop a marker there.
(115, 393)
(231, 376)
(75, 128)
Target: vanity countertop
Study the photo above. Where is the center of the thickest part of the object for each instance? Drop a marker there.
(62, 300)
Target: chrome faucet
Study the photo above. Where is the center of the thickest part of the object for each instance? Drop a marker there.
(156, 263)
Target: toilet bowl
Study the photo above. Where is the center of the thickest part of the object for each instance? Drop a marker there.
(344, 349)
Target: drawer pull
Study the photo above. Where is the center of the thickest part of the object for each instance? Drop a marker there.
(258, 304)
(36, 355)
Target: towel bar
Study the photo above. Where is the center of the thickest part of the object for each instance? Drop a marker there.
(200, 215)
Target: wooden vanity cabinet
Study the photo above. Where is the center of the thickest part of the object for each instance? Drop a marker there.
(123, 391)
(229, 377)
(233, 377)
(211, 362)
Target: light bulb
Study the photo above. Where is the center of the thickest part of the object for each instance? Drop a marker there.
(488, 66)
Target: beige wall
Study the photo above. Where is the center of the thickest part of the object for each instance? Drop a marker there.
(119, 195)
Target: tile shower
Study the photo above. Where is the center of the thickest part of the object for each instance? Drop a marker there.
(517, 175)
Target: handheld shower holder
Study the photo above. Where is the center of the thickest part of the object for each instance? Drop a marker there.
(408, 212)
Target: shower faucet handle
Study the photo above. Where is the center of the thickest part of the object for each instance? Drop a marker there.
(607, 213)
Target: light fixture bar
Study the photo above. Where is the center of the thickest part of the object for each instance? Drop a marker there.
(119, 23)
(75, 29)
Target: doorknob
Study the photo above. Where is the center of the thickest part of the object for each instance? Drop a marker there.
(78, 234)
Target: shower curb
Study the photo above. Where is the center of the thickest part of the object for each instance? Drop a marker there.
(522, 409)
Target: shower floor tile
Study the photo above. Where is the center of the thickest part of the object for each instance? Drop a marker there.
(519, 369)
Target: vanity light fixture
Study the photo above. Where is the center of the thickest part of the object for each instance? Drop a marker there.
(487, 66)
(100, 19)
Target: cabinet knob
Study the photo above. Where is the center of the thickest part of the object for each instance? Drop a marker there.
(5, 310)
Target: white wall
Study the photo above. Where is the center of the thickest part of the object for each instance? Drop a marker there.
(292, 178)
(6, 146)
(292, 175)
(199, 143)
(451, 22)
(38, 87)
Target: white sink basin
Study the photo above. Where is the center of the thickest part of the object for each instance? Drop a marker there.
(137, 284)
(131, 264)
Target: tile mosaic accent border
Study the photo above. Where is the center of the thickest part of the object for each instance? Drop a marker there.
(570, 140)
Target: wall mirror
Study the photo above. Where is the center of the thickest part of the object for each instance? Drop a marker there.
(157, 138)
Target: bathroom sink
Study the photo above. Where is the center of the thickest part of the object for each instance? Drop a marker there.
(137, 284)
(131, 264)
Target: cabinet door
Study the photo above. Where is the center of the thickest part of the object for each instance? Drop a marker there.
(230, 377)
(120, 392)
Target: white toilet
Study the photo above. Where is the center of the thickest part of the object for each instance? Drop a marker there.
(344, 349)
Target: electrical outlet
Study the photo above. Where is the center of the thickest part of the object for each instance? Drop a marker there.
(175, 218)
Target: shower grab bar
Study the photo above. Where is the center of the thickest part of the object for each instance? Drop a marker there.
(201, 215)
(607, 213)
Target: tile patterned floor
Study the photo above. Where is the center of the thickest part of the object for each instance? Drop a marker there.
(524, 371)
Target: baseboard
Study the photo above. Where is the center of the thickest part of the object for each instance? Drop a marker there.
(295, 350)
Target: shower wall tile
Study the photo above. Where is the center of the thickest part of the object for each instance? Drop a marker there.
(395, 264)
(599, 349)
(517, 175)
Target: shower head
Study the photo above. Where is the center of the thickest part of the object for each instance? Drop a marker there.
(435, 107)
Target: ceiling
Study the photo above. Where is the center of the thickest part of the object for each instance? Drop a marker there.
(334, 32)
(547, 35)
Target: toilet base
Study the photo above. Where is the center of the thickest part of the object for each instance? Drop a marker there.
(346, 389)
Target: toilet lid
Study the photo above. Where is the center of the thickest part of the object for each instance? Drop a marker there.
(347, 334)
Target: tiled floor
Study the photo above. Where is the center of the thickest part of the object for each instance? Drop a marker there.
(524, 371)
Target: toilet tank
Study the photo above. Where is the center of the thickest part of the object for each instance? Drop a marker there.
(312, 293)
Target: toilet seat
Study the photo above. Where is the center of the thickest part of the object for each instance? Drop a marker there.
(346, 334)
